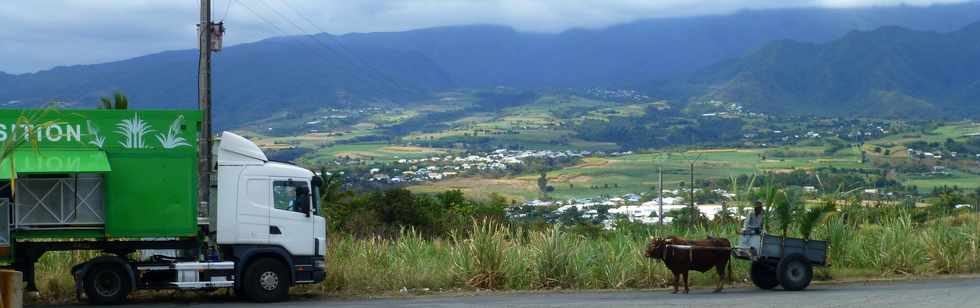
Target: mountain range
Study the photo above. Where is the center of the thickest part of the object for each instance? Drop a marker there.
(764, 58)
(887, 72)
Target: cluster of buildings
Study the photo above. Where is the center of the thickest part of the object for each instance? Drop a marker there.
(437, 168)
(727, 110)
(616, 94)
(939, 155)
(810, 128)
(629, 207)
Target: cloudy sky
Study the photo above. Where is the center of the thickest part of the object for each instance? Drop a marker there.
(38, 35)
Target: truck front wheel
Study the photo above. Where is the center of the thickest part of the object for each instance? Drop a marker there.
(107, 284)
(266, 280)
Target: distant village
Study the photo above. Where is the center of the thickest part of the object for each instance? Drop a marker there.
(435, 168)
(631, 207)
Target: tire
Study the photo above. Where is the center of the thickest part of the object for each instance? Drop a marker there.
(266, 280)
(763, 277)
(107, 284)
(795, 272)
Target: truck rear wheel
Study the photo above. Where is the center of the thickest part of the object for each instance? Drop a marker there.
(266, 280)
(795, 272)
(763, 276)
(107, 284)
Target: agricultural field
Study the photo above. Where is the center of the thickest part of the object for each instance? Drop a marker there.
(953, 178)
(542, 124)
(377, 152)
(637, 173)
(956, 130)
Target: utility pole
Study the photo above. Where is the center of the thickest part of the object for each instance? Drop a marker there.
(694, 213)
(693, 209)
(660, 199)
(209, 40)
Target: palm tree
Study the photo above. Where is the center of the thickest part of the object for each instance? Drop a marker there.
(118, 101)
(810, 218)
(331, 190)
(784, 207)
(32, 122)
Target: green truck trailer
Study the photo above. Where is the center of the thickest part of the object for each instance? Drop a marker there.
(124, 182)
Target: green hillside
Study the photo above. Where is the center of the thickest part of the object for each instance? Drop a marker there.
(888, 72)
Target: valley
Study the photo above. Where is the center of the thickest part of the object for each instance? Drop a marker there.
(562, 134)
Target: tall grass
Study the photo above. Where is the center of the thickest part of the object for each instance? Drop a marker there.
(499, 257)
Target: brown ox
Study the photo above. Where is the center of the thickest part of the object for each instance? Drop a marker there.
(681, 255)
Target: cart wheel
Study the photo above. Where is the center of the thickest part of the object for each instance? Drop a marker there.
(795, 272)
(763, 277)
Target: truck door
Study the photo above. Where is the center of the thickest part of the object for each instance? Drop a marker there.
(253, 211)
(290, 225)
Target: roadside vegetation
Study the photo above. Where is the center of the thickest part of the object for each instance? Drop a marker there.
(399, 242)
(865, 243)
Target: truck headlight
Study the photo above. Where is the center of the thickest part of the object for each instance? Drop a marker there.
(319, 263)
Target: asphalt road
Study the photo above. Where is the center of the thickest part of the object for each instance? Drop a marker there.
(923, 293)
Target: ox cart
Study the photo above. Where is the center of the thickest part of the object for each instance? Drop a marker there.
(781, 261)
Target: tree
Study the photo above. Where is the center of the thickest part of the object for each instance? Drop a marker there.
(118, 101)
(784, 206)
(543, 184)
(809, 219)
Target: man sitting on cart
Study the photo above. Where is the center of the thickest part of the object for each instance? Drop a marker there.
(751, 239)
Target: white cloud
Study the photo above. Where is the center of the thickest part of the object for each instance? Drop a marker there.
(41, 34)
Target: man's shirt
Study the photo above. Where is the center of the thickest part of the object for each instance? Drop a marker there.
(753, 222)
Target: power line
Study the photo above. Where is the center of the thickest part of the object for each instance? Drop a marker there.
(314, 25)
(301, 30)
(343, 50)
(319, 52)
(286, 35)
(227, 8)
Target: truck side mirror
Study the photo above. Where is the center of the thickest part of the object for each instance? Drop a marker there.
(308, 207)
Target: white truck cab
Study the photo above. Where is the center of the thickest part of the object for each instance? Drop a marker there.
(268, 212)
(262, 202)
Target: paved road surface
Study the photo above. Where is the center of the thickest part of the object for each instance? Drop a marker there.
(927, 293)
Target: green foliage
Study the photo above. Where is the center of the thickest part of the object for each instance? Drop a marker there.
(948, 200)
(118, 101)
(386, 212)
(783, 207)
(479, 259)
(554, 253)
(810, 218)
(543, 185)
(688, 217)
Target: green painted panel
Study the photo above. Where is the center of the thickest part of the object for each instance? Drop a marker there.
(56, 161)
(151, 195)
